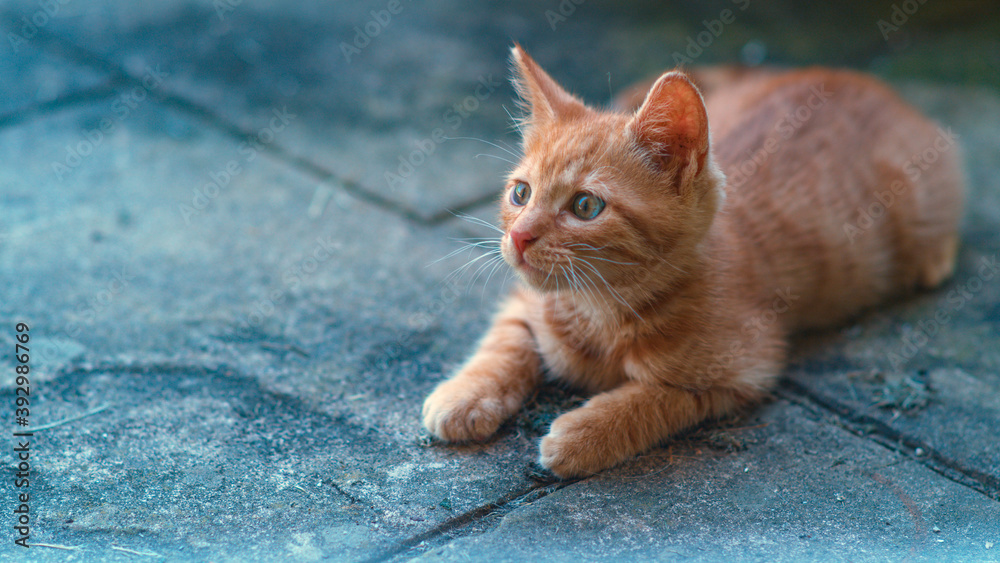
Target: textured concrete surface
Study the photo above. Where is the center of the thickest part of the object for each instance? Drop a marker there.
(233, 278)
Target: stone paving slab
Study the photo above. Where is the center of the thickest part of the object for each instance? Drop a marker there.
(381, 104)
(350, 70)
(33, 77)
(852, 500)
(259, 364)
(927, 371)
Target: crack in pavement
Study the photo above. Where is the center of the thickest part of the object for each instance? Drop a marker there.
(879, 432)
(122, 78)
(324, 427)
(82, 97)
(452, 528)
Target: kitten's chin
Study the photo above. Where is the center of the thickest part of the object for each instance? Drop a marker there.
(536, 283)
(534, 277)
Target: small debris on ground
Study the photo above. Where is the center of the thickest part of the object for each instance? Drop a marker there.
(545, 406)
(902, 393)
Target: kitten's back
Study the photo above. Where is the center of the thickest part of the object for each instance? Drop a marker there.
(840, 190)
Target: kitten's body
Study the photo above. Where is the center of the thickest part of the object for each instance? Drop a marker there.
(674, 302)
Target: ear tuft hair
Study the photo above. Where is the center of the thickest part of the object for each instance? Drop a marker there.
(672, 124)
(542, 99)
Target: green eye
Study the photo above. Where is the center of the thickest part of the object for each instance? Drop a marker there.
(587, 206)
(520, 194)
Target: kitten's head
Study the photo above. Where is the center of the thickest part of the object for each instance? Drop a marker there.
(606, 200)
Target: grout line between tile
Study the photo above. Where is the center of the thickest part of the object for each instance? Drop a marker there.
(876, 431)
(86, 96)
(451, 529)
(121, 77)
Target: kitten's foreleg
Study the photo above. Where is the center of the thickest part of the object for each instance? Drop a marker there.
(493, 383)
(628, 420)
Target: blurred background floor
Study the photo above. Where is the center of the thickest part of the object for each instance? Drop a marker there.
(221, 220)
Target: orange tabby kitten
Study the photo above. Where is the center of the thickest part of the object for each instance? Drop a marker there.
(663, 272)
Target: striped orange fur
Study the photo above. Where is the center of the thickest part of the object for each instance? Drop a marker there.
(728, 222)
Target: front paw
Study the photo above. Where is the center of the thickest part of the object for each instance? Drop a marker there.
(464, 410)
(576, 447)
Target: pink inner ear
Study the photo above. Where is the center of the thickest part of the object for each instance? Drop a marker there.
(673, 121)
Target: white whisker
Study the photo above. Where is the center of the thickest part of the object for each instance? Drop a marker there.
(506, 278)
(511, 153)
(483, 267)
(587, 282)
(605, 153)
(466, 246)
(510, 148)
(595, 299)
(499, 263)
(476, 221)
(609, 260)
(487, 244)
(496, 157)
(613, 291)
(585, 246)
(573, 292)
(460, 271)
(674, 267)
(615, 168)
(516, 123)
(604, 302)
(577, 283)
(551, 268)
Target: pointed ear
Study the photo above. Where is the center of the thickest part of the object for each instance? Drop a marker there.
(543, 99)
(672, 125)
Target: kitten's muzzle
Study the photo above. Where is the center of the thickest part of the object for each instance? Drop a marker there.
(521, 240)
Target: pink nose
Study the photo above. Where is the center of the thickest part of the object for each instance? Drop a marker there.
(521, 240)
